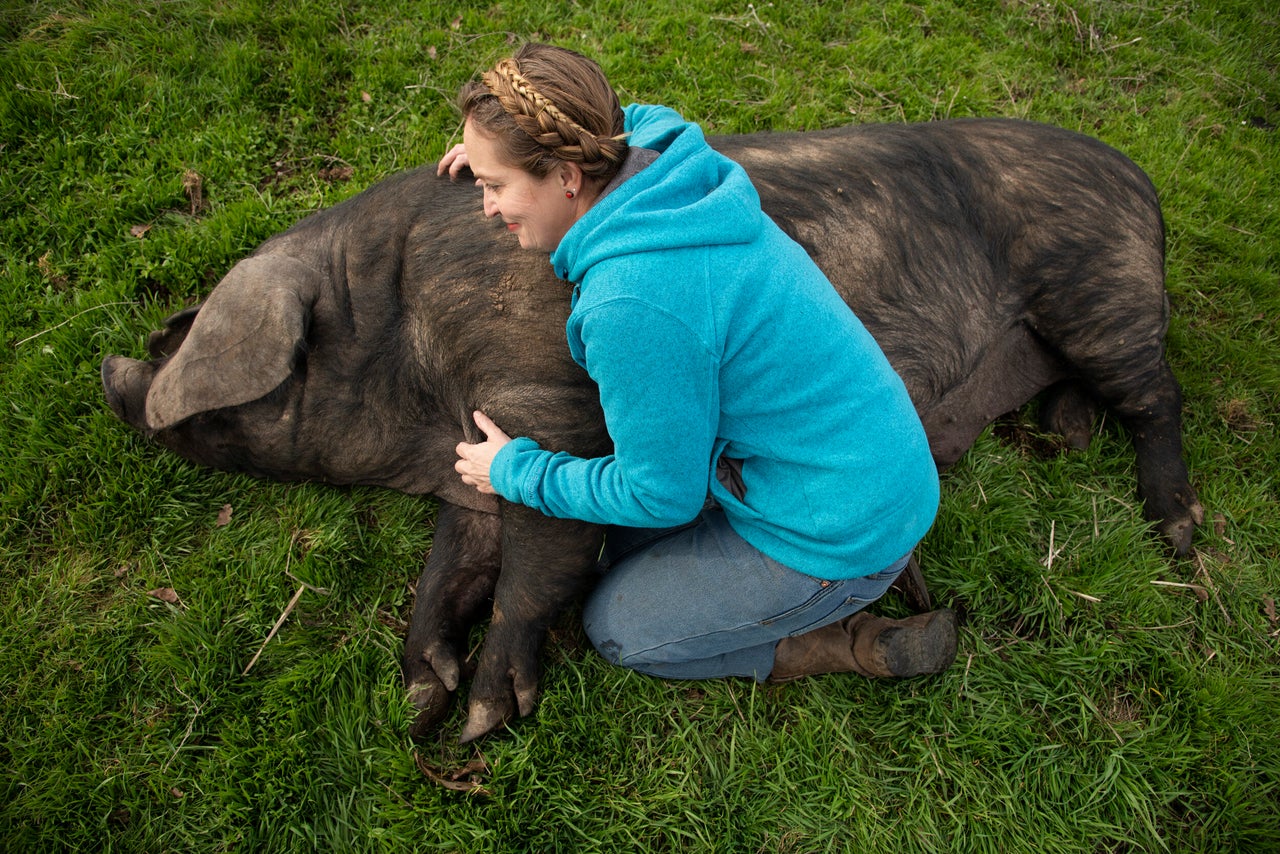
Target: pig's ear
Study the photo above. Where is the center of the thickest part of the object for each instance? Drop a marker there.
(242, 344)
(165, 342)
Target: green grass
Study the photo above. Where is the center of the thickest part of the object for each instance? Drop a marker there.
(1107, 698)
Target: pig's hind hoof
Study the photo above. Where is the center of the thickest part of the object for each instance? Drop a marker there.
(1180, 530)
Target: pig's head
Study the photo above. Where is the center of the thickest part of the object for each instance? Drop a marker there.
(240, 383)
(291, 373)
(241, 345)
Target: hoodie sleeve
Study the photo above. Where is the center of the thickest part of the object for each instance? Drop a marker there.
(658, 386)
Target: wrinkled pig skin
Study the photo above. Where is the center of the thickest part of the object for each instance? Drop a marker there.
(992, 259)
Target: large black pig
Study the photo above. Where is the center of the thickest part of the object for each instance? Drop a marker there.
(993, 260)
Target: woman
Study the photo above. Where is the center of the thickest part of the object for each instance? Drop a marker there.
(728, 367)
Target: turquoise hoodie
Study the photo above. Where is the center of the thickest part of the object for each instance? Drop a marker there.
(710, 333)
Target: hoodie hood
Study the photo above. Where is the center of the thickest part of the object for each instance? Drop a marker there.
(691, 195)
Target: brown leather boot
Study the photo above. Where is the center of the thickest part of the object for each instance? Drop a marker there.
(870, 645)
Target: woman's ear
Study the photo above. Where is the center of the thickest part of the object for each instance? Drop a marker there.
(571, 177)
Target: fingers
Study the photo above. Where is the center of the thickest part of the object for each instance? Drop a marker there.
(454, 161)
(474, 459)
(473, 466)
(491, 431)
(458, 164)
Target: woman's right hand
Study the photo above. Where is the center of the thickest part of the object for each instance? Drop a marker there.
(454, 162)
(475, 460)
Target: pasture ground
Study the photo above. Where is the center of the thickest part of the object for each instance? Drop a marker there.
(1107, 697)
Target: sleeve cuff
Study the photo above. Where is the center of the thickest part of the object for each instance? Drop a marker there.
(505, 470)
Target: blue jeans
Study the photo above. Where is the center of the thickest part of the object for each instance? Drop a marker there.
(698, 601)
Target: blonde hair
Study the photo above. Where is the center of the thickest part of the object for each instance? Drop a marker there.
(547, 105)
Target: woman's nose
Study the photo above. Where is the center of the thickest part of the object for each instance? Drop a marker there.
(490, 206)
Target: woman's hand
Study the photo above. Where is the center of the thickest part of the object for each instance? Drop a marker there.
(475, 460)
(454, 162)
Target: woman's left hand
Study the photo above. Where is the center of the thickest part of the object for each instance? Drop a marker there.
(475, 460)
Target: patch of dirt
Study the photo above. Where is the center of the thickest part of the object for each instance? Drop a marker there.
(1017, 434)
(1239, 416)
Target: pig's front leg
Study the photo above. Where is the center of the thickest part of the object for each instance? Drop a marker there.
(546, 564)
(453, 592)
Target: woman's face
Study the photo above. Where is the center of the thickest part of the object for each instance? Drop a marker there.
(534, 209)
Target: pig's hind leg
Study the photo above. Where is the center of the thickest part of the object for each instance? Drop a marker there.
(1149, 404)
(1111, 337)
(453, 593)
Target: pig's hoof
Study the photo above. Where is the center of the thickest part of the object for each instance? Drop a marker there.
(1179, 532)
(483, 718)
(432, 700)
(486, 715)
(1069, 411)
(445, 663)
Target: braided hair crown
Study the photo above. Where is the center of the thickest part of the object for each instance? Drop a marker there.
(546, 105)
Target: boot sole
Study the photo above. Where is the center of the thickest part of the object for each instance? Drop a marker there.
(929, 650)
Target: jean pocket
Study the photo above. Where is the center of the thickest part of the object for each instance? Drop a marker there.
(839, 607)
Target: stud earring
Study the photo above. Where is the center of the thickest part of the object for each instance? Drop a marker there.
(569, 194)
